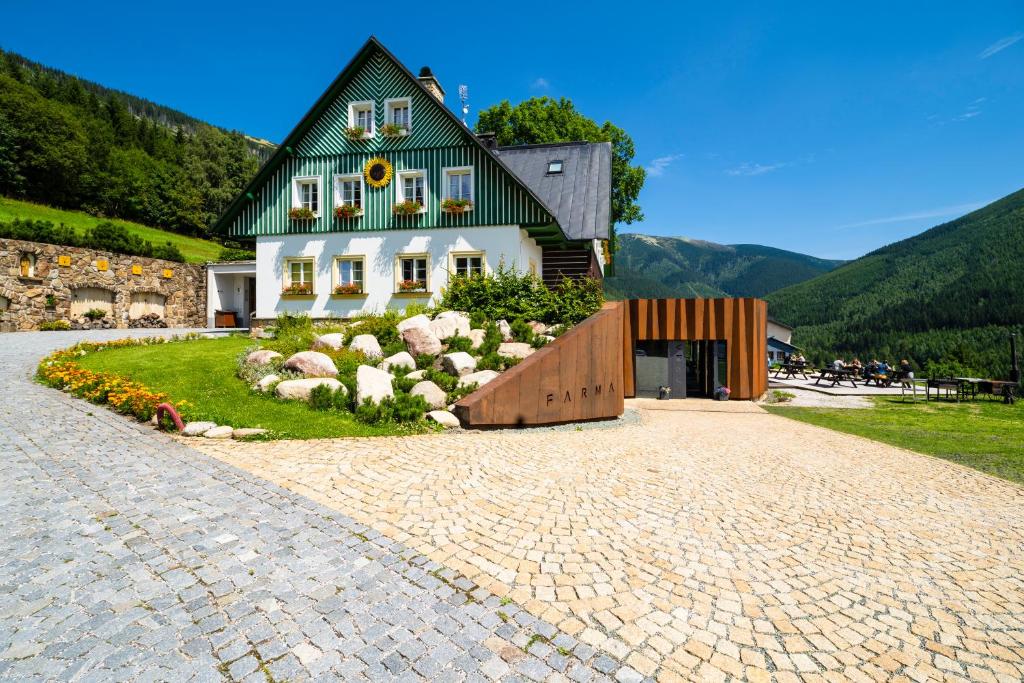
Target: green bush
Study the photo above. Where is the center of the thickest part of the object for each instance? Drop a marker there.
(54, 325)
(509, 295)
(458, 392)
(458, 343)
(293, 333)
(477, 320)
(492, 340)
(236, 254)
(521, 331)
(384, 327)
(424, 361)
(491, 361)
(539, 341)
(168, 252)
(403, 408)
(403, 384)
(105, 236)
(441, 379)
(95, 314)
(950, 368)
(325, 398)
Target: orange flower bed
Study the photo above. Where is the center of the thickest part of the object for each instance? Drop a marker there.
(60, 371)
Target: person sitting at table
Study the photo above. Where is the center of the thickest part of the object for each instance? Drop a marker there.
(856, 366)
(838, 364)
(799, 358)
(882, 371)
(906, 370)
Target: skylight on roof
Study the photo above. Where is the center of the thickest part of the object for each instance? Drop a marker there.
(554, 166)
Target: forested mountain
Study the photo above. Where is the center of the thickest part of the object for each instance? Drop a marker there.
(648, 266)
(949, 294)
(74, 144)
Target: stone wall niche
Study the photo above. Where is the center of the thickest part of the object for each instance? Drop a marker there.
(88, 298)
(147, 303)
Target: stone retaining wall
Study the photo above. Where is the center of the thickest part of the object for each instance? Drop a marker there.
(61, 276)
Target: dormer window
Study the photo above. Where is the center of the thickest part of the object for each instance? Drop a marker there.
(360, 115)
(555, 167)
(398, 116)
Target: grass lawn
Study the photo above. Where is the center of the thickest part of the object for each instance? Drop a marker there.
(986, 435)
(202, 372)
(194, 249)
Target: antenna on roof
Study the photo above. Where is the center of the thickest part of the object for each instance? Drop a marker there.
(464, 97)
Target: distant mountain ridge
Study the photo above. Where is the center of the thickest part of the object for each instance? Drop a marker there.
(655, 267)
(951, 294)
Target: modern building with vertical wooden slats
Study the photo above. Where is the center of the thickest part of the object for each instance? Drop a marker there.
(537, 208)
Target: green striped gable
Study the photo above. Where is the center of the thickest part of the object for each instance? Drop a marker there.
(318, 147)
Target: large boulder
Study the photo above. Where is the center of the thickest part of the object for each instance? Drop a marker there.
(420, 340)
(261, 357)
(444, 418)
(197, 428)
(478, 378)
(514, 350)
(458, 364)
(301, 389)
(398, 361)
(476, 337)
(334, 340)
(312, 364)
(368, 344)
(418, 374)
(266, 382)
(431, 393)
(506, 330)
(537, 327)
(450, 325)
(415, 321)
(373, 384)
(221, 432)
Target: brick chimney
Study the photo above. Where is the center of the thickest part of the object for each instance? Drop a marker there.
(431, 84)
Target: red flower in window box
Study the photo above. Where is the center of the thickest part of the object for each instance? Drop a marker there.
(355, 133)
(298, 288)
(301, 213)
(456, 205)
(412, 286)
(347, 211)
(409, 208)
(353, 288)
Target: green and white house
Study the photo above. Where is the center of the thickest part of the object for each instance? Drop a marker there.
(381, 194)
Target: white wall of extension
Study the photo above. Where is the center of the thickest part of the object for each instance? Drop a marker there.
(379, 250)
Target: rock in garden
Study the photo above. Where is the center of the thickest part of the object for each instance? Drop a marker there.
(431, 393)
(514, 350)
(266, 382)
(477, 337)
(415, 321)
(420, 340)
(398, 361)
(506, 330)
(222, 432)
(450, 325)
(368, 344)
(197, 428)
(261, 357)
(458, 364)
(246, 432)
(418, 374)
(334, 340)
(444, 418)
(478, 378)
(311, 363)
(537, 327)
(300, 389)
(373, 384)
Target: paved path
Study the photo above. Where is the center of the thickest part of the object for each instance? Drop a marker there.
(708, 541)
(127, 556)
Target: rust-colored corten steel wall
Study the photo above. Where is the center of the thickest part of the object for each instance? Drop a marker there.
(576, 377)
(742, 323)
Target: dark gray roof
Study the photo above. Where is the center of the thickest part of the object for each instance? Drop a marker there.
(579, 196)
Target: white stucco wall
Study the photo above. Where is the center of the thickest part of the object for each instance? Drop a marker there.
(780, 332)
(226, 285)
(379, 249)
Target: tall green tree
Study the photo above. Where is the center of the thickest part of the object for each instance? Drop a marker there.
(544, 119)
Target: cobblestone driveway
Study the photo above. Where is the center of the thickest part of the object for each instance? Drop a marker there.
(704, 544)
(127, 556)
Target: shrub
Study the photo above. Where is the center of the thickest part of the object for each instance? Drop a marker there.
(539, 341)
(458, 343)
(521, 331)
(403, 384)
(293, 333)
(458, 392)
(325, 398)
(95, 314)
(424, 361)
(236, 254)
(490, 361)
(346, 360)
(492, 340)
(394, 347)
(384, 327)
(403, 408)
(950, 368)
(168, 252)
(477, 320)
(105, 236)
(442, 379)
(777, 396)
(54, 325)
(573, 301)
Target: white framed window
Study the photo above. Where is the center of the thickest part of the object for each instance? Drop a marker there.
(458, 184)
(412, 273)
(348, 274)
(398, 112)
(349, 190)
(306, 193)
(467, 263)
(361, 115)
(412, 187)
(298, 275)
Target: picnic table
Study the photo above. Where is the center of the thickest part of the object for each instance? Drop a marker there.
(837, 375)
(962, 387)
(791, 370)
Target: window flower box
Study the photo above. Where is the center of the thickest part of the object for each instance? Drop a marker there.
(409, 208)
(393, 130)
(355, 133)
(349, 290)
(298, 289)
(301, 213)
(456, 206)
(347, 211)
(412, 286)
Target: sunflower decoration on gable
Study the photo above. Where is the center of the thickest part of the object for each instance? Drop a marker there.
(378, 172)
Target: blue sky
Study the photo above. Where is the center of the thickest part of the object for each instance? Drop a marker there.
(816, 127)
